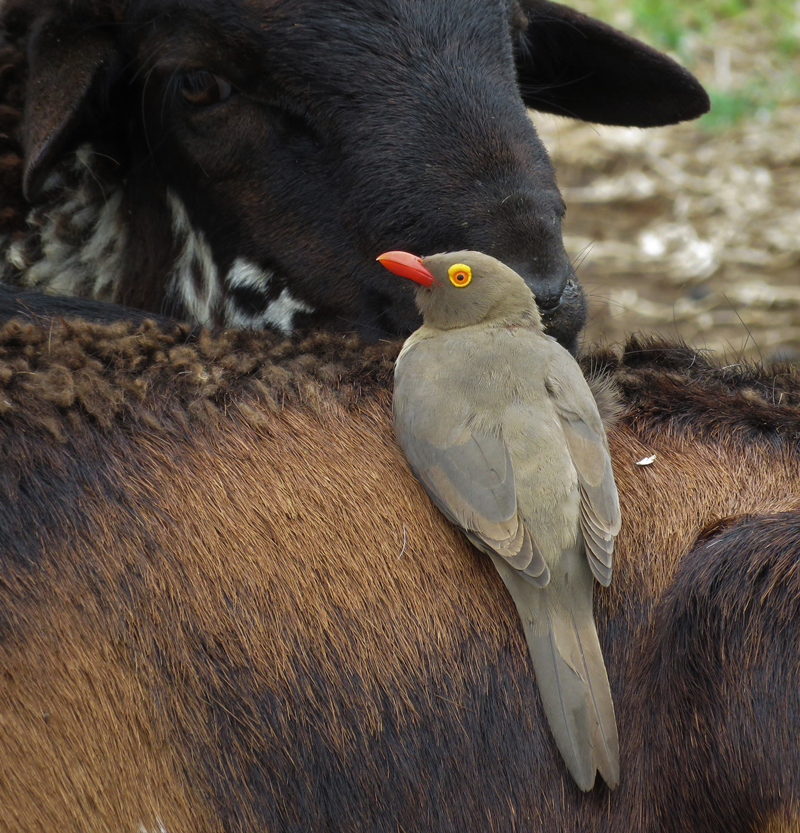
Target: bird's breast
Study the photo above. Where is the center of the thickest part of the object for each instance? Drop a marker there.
(494, 382)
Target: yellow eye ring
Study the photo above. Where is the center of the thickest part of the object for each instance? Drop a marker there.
(460, 274)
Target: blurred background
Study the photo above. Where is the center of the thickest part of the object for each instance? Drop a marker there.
(693, 231)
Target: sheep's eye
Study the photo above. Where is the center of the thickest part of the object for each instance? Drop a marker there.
(202, 88)
(460, 274)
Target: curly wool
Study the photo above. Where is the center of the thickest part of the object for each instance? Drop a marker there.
(61, 373)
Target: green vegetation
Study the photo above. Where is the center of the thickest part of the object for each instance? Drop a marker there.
(767, 32)
(667, 22)
(728, 108)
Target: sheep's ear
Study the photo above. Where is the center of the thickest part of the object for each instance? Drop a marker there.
(68, 69)
(573, 65)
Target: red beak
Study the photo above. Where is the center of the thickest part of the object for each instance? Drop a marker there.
(407, 266)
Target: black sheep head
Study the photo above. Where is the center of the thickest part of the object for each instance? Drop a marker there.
(265, 151)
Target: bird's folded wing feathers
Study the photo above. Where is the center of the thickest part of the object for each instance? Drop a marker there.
(588, 448)
(472, 483)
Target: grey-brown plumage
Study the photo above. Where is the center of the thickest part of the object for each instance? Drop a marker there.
(499, 425)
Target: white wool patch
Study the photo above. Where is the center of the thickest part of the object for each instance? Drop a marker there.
(15, 254)
(246, 275)
(92, 268)
(55, 180)
(194, 265)
(278, 314)
(281, 312)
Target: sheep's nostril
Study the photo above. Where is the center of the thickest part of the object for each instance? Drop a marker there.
(548, 288)
(548, 302)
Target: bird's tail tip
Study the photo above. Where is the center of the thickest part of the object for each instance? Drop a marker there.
(572, 679)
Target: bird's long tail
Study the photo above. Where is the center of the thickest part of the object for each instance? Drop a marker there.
(570, 672)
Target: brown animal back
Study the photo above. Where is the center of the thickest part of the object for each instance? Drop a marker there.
(216, 615)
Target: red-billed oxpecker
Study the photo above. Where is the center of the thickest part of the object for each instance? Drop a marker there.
(500, 427)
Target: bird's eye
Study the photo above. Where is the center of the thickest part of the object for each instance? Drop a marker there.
(460, 274)
(202, 88)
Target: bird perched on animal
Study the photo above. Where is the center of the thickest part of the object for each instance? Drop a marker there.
(499, 425)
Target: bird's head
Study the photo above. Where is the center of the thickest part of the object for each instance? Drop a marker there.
(459, 289)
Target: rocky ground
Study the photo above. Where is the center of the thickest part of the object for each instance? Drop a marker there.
(693, 230)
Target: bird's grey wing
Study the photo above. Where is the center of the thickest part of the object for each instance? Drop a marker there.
(588, 448)
(471, 480)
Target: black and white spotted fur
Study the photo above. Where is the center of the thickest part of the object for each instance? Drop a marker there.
(77, 242)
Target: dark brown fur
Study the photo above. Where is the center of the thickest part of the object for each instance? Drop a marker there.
(13, 207)
(219, 609)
